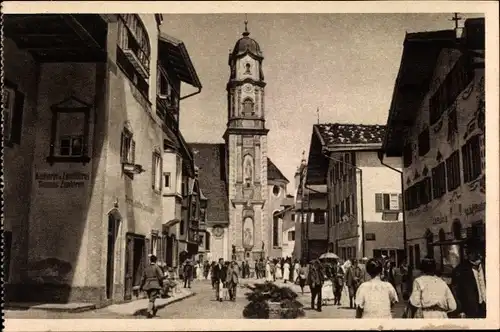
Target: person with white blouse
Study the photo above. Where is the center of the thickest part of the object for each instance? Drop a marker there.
(375, 298)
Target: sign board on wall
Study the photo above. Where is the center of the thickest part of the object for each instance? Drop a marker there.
(61, 180)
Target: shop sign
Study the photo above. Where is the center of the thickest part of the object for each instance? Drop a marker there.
(475, 208)
(439, 220)
(61, 180)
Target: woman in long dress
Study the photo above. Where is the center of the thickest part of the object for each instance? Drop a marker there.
(286, 271)
(327, 288)
(431, 294)
(296, 269)
(269, 276)
(199, 274)
(278, 270)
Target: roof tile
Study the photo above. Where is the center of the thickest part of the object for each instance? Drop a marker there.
(343, 133)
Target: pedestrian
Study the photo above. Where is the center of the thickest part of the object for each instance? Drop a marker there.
(404, 272)
(338, 284)
(315, 281)
(279, 274)
(375, 298)
(212, 274)
(286, 271)
(152, 283)
(302, 276)
(362, 266)
(257, 269)
(431, 297)
(219, 275)
(199, 274)
(388, 273)
(188, 273)
(232, 280)
(353, 280)
(296, 268)
(206, 269)
(469, 283)
(269, 276)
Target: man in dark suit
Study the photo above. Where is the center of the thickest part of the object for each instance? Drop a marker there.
(469, 284)
(152, 283)
(219, 278)
(316, 277)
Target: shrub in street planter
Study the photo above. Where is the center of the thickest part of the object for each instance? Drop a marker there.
(270, 301)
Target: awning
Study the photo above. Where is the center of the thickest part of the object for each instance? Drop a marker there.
(174, 55)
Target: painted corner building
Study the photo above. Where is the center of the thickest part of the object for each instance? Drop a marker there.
(311, 215)
(436, 126)
(98, 175)
(363, 196)
(243, 186)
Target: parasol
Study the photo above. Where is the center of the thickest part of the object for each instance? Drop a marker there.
(329, 255)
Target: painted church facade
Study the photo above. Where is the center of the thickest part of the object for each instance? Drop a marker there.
(237, 176)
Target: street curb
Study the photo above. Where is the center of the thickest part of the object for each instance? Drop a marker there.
(73, 310)
(139, 312)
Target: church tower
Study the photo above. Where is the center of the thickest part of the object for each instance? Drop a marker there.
(246, 151)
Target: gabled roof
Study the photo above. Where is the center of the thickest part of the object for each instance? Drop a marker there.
(210, 158)
(347, 133)
(273, 172)
(418, 61)
(173, 53)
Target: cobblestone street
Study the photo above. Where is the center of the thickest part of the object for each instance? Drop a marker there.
(204, 306)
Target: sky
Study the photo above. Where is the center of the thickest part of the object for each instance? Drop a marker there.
(343, 64)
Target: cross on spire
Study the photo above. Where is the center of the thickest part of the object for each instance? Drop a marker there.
(456, 18)
(246, 33)
(317, 114)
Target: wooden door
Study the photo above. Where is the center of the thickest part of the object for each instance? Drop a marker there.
(129, 270)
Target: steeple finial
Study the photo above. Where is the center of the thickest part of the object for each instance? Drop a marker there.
(456, 18)
(246, 33)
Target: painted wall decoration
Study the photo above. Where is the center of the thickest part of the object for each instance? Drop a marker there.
(248, 169)
(248, 232)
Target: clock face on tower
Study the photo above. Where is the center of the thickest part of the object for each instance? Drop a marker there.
(248, 88)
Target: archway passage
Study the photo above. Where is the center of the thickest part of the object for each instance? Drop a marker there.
(114, 219)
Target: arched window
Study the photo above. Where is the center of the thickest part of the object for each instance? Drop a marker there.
(248, 108)
(276, 234)
(456, 229)
(442, 235)
(429, 238)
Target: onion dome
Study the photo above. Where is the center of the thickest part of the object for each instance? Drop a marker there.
(246, 45)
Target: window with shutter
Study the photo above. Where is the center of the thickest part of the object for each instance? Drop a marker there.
(379, 203)
(471, 157)
(453, 171)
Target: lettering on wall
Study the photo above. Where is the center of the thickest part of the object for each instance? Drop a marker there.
(65, 180)
(139, 205)
(439, 220)
(475, 208)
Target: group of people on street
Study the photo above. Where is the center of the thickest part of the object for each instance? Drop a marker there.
(372, 284)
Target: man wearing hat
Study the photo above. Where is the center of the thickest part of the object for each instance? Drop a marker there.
(469, 283)
(152, 283)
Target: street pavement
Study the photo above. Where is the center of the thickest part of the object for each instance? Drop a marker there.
(204, 306)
